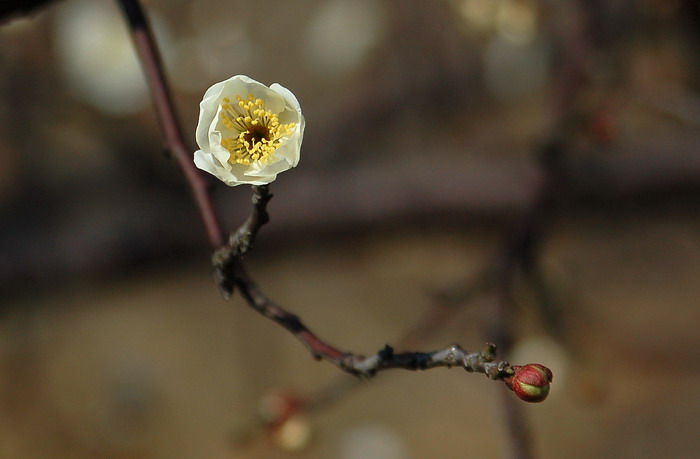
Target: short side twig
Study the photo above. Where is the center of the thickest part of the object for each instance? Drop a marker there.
(241, 241)
(226, 258)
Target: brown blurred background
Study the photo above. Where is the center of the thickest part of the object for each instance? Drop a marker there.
(427, 125)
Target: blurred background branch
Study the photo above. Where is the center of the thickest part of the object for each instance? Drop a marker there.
(13, 8)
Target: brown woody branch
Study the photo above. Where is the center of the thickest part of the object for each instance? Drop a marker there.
(358, 365)
(173, 138)
(228, 260)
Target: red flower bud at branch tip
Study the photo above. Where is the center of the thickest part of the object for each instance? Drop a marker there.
(530, 382)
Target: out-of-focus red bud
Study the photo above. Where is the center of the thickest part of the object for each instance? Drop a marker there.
(530, 382)
(278, 406)
(604, 127)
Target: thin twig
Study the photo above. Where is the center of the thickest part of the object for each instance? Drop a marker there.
(359, 365)
(386, 358)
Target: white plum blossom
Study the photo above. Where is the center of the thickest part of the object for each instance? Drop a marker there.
(248, 132)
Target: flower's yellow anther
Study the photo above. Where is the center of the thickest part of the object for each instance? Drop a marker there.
(258, 132)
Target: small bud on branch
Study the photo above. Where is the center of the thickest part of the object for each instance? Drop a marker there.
(530, 382)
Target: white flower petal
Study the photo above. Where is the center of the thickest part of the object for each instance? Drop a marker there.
(215, 137)
(205, 162)
(289, 152)
(241, 85)
(269, 169)
(208, 110)
(288, 96)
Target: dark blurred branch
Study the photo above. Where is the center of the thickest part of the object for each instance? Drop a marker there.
(12, 8)
(521, 248)
(478, 190)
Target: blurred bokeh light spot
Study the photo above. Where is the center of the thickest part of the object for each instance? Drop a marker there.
(374, 441)
(514, 70)
(295, 434)
(479, 13)
(224, 49)
(97, 58)
(341, 35)
(517, 21)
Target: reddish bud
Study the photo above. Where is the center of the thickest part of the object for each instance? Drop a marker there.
(604, 127)
(276, 407)
(530, 382)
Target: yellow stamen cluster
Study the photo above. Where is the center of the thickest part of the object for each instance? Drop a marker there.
(259, 131)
